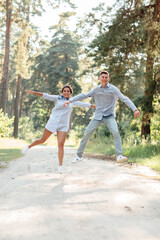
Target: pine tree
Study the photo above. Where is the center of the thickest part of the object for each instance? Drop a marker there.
(22, 72)
(62, 58)
(5, 74)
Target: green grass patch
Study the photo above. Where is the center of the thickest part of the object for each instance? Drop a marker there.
(10, 149)
(100, 147)
(9, 154)
(147, 154)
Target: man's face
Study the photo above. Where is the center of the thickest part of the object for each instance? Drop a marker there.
(104, 78)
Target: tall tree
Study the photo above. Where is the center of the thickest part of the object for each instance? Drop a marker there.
(62, 57)
(5, 74)
(22, 72)
(152, 48)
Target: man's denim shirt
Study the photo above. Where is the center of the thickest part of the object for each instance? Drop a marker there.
(105, 99)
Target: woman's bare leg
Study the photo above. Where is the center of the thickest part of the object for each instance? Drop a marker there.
(45, 136)
(61, 137)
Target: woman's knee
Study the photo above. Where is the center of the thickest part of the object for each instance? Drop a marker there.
(61, 144)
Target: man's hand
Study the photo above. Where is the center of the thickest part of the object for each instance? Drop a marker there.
(93, 106)
(66, 104)
(136, 113)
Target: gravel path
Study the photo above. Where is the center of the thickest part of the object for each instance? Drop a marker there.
(92, 200)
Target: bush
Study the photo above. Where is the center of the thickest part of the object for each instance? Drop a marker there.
(79, 131)
(6, 125)
(155, 123)
(25, 128)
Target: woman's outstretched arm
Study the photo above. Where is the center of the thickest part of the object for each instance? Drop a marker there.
(33, 92)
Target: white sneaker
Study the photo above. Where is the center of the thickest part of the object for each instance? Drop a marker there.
(77, 159)
(60, 169)
(25, 150)
(121, 159)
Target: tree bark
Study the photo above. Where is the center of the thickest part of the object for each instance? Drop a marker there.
(4, 80)
(21, 103)
(150, 87)
(16, 107)
(44, 76)
(150, 83)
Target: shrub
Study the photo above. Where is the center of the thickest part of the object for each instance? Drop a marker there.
(6, 125)
(25, 128)
(155, 123)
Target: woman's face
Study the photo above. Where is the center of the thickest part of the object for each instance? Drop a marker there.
(66, 92)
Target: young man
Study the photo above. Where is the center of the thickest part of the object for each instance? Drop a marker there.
(105, 96)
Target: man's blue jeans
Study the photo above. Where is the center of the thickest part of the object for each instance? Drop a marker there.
(93, 125)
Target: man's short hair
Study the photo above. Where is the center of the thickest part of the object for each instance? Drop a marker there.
(104, 72)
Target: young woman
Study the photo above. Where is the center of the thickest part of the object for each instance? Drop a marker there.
(58, 121)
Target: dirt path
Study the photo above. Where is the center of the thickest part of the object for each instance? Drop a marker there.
(92, 200)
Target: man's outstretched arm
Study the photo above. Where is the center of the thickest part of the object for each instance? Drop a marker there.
(80, 97)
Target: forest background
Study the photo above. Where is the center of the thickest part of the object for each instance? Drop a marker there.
(122, 39)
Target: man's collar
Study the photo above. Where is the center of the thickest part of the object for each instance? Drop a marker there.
(107, 86)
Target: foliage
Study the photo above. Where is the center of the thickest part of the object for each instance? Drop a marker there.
(102, 145)
(62, 62)
(81, 116)
(40, 111)
(26, 129)
(146, 154)
(155, 124)
(79, 131)
(6, 128)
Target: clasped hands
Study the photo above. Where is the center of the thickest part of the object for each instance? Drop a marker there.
(66, 103)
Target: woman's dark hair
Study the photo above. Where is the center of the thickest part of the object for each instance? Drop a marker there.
(67, 86)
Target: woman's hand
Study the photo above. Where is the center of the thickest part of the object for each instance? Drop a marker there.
(93, 106)
(28, 91)
(66, 104)
(39, 94)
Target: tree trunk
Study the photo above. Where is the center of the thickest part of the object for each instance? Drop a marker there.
(21, 104)
(44, 76)
(150, 87)
(145, 129)
(119, 111)
(67, 75)
(4, 81)
(150, 83)
(16, 107)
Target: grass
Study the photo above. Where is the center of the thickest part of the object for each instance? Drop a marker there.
(10, 149)
(9, 154)
(102, 148)
(147, 154)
